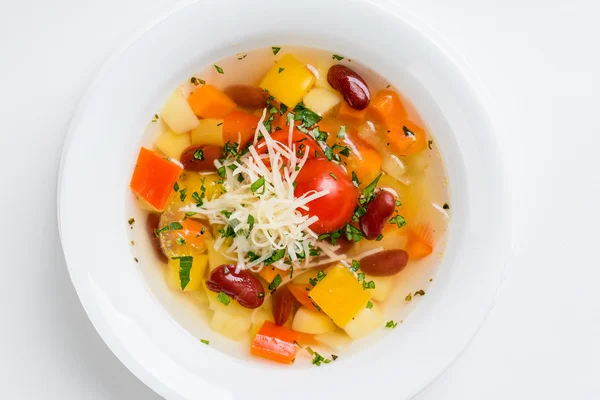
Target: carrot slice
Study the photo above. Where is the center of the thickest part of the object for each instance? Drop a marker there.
(153, 178)
(407, 139)
(388, 106)
(301, 294)
(269, 273)
(350, 114)
(419, 243)
(275, 343)
(239, 127)
(209, 102)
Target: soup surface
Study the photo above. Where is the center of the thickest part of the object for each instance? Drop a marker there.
(296, 197)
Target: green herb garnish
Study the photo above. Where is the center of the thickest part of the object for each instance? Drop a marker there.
(379, 237)
(131, 221)
(446, 206)
(199, 154)
(276, 282)
(183, 194)
(176, 187)
(337, 57)
(420, 293)
(223, 298)
(368, 193)
(175, 226)
(275, 50)
(369, 304)
(280, 70)
(355, 179)
(355, 266)
(185, 265)
(308, 117)
(342, 132)
(391, 324)
(197, 81)
(219, 69)
(180, 241)
(260, 182)
(221, 172)
(204, 341)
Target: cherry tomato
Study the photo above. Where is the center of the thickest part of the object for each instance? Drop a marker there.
(335, 209)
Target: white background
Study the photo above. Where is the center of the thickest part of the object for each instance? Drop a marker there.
(539, 60)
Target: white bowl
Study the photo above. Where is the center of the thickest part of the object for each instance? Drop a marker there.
(128, 305)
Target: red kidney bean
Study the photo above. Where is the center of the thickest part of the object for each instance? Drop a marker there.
(283, 303)
(351, 86)
(242, 286)
(247, 96)
(385, 263)
(201, 158)
(377, 214)
(152, 223)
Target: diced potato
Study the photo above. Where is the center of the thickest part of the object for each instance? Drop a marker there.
(313, 322)
(383, 286)
(262, 315)
(199, 297)
(340, 295)
(208, 131)
(365, 322)
(337, 340)
(172, 144)
(216, 258)
(394, 166)
(178, 114)
(196, 273)
(233, 326)
(321, 100)
(288, 80)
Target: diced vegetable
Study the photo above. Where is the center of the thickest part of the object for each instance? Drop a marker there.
(262, 315)
(393, 238)
(340, 295)
(177, 113)
(313, 322)
(365, 161)
(337, 340)
(176, 271)
(288, 80)
(322, 69)
(321, 100)
(239, 127)
(419, 242)
(365, 322)
(388, 106)
(348, 113)
(383, 287)
(268, 273)
(275, 343)
(209, 131)
(153, 178)
(233, 326)
(393, 165)
(209, 102)
(407, 139)
(172, 144)
(300, 292)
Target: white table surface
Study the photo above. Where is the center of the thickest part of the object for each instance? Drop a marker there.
(540, 61)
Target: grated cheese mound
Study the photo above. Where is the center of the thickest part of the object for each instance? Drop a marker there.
(259, 212)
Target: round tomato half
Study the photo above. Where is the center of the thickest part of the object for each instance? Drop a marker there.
(335, 209)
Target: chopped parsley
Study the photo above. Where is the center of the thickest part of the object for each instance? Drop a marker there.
(176, 187)
(429, 143)
(369, 304)
(223, 298)
(180, 241)
(420, 293)
(250, 222)
(352, 233)
(280, 70)
(260, 182)
(185, 265)
(333, 176)
(328, 153)
(242, 57)
(321, 275)
(199, 154)
(446, 206)
(355, 180)
(175, 226)
(355, 266)
(398, 203)
(408, 132)
(334, 357)
(131, 221)
(337, 57)
(408, 297)
(204, 341)
(361, 276)
(369, 192)
(276, 282)
(183, 194)
(319, 359)
(398, 220)
(219, 69)
(378, 238)
(368, 285)
(275, 50)
(391, 324)
(157, 232)
(197, 81)
(221, 172)
(342, 132)
(155, 118)
(198, 199)
(308, 117)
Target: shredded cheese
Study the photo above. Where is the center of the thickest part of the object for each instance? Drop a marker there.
(260, 214)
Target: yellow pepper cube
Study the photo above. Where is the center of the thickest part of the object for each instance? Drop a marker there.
(340, 295)
(178, 271)
(288, 81)
(208, 131)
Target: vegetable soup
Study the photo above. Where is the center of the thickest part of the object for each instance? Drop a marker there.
(296, 195)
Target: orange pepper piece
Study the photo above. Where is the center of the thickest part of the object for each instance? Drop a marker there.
(209, 102)
(408, 139)
(153, 178)
(269, 273)
(239, 127)
(388, 106)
